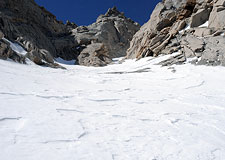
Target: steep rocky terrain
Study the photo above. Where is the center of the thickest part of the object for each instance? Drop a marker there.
(45, 38)
(34, 28)
(195, 28)
(107, 38)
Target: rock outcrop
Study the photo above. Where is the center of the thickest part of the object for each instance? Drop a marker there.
(7, 53)
(107, 38)
(33, 27)
(10, 51)
(195, 28)
(46, 38)
(216, 19)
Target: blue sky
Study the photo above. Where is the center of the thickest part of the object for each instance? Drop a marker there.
(85, 12)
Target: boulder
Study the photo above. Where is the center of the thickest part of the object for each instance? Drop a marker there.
(95, 54)
(200, 17)
(216, 19)
(43, 58)
(40, 56)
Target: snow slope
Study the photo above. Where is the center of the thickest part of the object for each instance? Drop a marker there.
(129, 111)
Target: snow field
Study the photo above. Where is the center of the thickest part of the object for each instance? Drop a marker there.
(130, 111)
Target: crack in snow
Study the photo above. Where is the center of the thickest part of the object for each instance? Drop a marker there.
(82, 135)
(196, 86)
(119, 116)
(54, 97)
(60, 141)
(129, 72)
(14, 94)
(10, 118)
(69, 110)
(40, 96)
(104, 100)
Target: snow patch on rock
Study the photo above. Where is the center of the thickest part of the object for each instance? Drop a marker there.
(62, 61)
(16, 47)
(206, 24)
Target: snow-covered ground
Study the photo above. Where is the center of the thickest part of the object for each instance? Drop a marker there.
(129, 111)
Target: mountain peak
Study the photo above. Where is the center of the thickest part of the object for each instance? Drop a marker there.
(113, 12)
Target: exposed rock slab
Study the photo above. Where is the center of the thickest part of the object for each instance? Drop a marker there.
(200, 17)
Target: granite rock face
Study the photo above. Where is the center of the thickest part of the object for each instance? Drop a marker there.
(38, 31)
(107, 38)
(33, 27)
(195, 28)
(217, 15)
(165, 22)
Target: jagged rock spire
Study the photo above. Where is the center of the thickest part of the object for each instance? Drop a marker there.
(113, 12)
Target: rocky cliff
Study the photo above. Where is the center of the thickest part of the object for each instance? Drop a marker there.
(45, 38)
(195, 28)
(33, 27)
